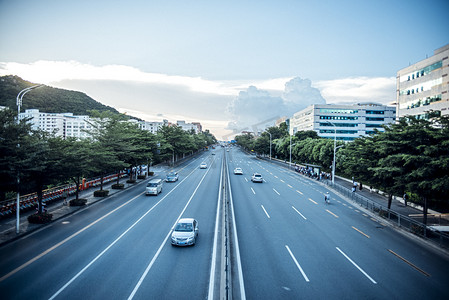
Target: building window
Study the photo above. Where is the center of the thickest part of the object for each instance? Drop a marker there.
(375, 112)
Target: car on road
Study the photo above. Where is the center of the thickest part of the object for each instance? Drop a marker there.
(172, 177)
(256, 178)
(185, 232)
(203, 165)
(238, 171)
(213, 153)
(154, 187)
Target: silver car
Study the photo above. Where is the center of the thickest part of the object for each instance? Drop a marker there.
(185, 232)
(238, 171)
(203, 165)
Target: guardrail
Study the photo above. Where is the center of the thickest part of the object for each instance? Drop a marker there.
(404, 222)
(29, 202)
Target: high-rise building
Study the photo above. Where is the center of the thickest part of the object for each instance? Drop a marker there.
(424, 86)
(346, 122)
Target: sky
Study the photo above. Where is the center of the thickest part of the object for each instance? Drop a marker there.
(231, 65)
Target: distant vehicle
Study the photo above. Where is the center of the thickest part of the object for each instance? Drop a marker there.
(203, 165)
(238, 171)
(154, 187)
(213, 153)
(185, 232)
(227, 150)
(172, 177)
(256, 178)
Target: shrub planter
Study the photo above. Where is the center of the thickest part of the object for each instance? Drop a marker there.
(42, 218)
(150, 173)
(131, 181)
(141, 176)
(101, 193)
(119, 186)
(78, 202)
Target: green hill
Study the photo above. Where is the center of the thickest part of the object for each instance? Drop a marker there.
(47, 99)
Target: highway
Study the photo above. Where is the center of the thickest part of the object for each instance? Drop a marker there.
(291, 245)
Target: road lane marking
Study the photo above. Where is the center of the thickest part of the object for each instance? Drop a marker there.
(409, 263)
(297, 264)
(164, 242)
(289, 186)
(331, 213)
(312, 201)
(214, 247)
(299, 192)
(246, 179)
(360, 231)
(265, 212)
(282, 181)
(65, 240)
(360, 269)
(253, 191)
(299, 213)
(116, 240)
(276, 191)
(275, 176)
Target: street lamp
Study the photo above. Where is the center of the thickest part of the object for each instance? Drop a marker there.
(270, 144)
(19, 103)
(335, 149)
(290, 164)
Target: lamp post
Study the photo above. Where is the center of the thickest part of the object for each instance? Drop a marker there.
(335, 149)
(19, 103)
(270, 144)
(290, 163)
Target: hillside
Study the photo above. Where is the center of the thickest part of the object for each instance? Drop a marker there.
(47, 99)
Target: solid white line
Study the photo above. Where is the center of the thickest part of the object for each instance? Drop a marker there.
(214, 248)
(145, 273)
(299, 213)
(246, 179)
(237, 248)
(276, 191)
(253, 191)
(360, 269)
(265, 212)
(297, 264)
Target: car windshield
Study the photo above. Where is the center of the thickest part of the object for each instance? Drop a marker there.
(257, 175)
(152, 184)
(185, 227)
(171, 174)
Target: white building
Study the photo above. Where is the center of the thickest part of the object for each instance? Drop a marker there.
(349, 121)
(189, 126)
(151, 126)
(60, 124)
(424, 87)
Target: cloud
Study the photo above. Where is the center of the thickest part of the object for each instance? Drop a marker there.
(254, 108)
(359, 89)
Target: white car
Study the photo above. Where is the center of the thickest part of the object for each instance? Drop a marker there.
(203, 165)
(238, 171)
(185, 232)
(256, 178)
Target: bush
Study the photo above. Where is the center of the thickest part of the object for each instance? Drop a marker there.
(131, 181)
(101, 193)
(42, 218)
(118, 186)
(78, 202)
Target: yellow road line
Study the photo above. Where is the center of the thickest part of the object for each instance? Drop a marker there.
(360, 231)
(331, 213)
(406, 261)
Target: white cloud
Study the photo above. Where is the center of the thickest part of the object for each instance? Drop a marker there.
(255, 108)
(358, 89)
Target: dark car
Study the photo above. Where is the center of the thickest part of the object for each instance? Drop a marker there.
(171, 177)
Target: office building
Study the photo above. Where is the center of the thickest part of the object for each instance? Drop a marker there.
(424, 86)
(349, 121)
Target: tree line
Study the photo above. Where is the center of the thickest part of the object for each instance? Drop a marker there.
(410, 156)
(41, 160)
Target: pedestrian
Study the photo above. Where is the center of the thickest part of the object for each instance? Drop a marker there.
(64, 196)
(360, 186)
(405, 198)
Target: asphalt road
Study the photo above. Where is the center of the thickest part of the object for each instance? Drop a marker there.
(291, 244)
